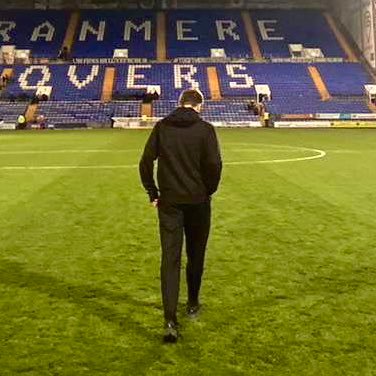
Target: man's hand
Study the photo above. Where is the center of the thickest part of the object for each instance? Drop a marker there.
(155, 203)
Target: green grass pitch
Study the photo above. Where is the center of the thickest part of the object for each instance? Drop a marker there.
(290, 281)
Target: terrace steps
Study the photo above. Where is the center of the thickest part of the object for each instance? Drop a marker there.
(108, 84)
(319, 83)
(162, 37)
(214, 85)
(251, 35)
(351, 55)
(147, 110)
(71, 30)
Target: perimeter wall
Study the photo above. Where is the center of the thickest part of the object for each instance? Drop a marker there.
(358, 16)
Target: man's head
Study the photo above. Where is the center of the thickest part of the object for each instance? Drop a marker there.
(192, 98)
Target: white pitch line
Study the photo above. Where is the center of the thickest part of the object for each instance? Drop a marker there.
(73, 151)
(344, 151)
(274, 147)
(93, 151)
(104, 167)
(319, 154)
(262, 150)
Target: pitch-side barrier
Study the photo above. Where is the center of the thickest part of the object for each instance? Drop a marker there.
(7, 126)
(327, 121)
(139, 123)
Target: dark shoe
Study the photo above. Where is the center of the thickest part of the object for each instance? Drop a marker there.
(171, 332)
(193, 310)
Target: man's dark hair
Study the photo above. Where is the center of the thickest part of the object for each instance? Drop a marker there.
(191, 97)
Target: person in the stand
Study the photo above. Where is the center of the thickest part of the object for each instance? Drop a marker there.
(6, 79)
(266, 119)
(21, 122)
(42, 122)
(155, 95)
(256, 110)
(35, 99)
(189, 171)
(64, 54)
(261, 109)
(150, 97)
(251, 105)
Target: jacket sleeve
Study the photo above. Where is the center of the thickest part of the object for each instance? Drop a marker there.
(211, 163)
(146, 166)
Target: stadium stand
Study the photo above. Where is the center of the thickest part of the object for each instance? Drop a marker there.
(79, 112)
(133, 79)
(195, 33)
(125, 109)
(68, 82)
(236, 79)
(221, 111)
(164, 107)
(229, 111)
(42, 32)
(279, 28)
(315, 106)
(293, 90)
(344, 79)
(95, 91)
(73, 112)
(9, 112)
(100, 33)
(190, 33)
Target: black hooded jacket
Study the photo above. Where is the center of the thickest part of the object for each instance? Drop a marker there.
(189, 160)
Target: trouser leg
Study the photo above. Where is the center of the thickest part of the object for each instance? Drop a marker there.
(197, 228)
(171, 234)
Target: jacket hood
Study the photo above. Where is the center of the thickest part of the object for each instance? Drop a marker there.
(182, 117)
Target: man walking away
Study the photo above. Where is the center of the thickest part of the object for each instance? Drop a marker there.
(189, 171)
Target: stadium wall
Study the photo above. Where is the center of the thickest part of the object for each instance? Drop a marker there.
(184, 4)
(358, 16)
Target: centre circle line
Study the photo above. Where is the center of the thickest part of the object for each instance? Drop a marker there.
(318, 155)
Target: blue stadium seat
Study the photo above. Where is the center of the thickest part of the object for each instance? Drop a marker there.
(42, 32)
(69, 82)
(292, 87)
(194, 33)
(101, 32)
(344, 79)
(276, 29)
(316, 106)
(9, 112)
(173, 78)
(190, 33)
(83, 112)
(225, 110)
(229, 111)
